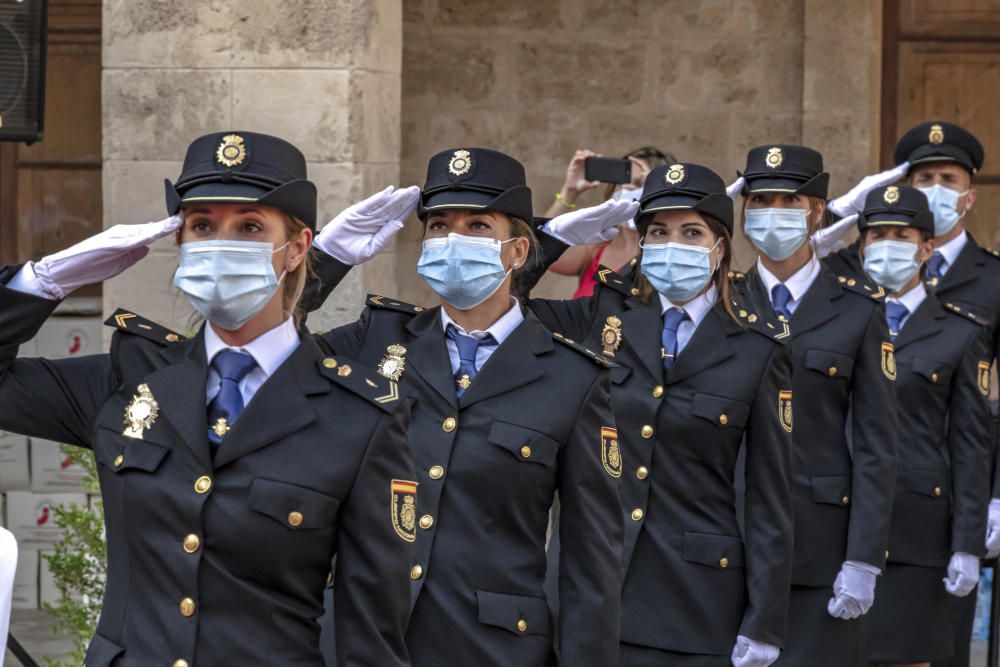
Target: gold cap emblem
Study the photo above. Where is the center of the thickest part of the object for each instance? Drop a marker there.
(675, 174)
(936, 135)
(461, 163)
(891, 195)
(231, 151)
(774, 158)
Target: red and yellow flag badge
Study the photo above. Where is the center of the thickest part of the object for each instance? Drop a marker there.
(889, 361)
(984, 377)
(611, 452)
(404, 508)
(785, 409)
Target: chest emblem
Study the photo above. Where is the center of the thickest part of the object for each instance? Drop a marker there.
(140, 413)
(611, 453)
(785, 409)
(984, 377)
(393, 363)
(611, 336)
(404, 509)
(889, 361)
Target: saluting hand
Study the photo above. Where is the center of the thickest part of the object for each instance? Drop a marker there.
(360, 231)
(752, 653)
(593, 224)
(854, 200)
(735, 188)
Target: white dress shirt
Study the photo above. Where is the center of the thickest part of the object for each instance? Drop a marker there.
(696, 310)
(951, 250)
(911, 300)
(500, 330)
(798, 284)
(269, 350)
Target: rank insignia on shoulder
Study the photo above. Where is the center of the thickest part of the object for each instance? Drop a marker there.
(992, 251)
(889, 360)
(779, 330)
(381, 391)
(598, 358)
(967, 314)
(611, 453)
(393, 363)
(385, 303)
(127, 321)
(984, 377)
(873, 292)
(613, 279)
(403, 502)
(611, 335)
(785, 409)
(140, 413)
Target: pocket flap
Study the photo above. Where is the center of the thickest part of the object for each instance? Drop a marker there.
(620, 373)
(831, 490)
(937, 372)
(519, 614)
(294, 507)
(124, 454)
(102, 651)
(719, 551)
(525, 444)
(721, 411)
(830, 364)
(932, 483)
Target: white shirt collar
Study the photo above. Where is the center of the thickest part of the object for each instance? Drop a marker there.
(500, 329)
(696, 308)
(911, 300)
(799, 282)
(269, 350)
(953, 248)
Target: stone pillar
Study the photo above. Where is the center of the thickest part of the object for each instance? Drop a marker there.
(323, 74)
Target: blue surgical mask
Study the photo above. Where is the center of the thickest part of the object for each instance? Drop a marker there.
(777, 232)
(943, 203)
(464, 270)
(891, 264)
(228, 282)
(677, 271)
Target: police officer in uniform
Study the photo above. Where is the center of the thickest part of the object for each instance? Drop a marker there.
(942, 487)
(235, 464)
(845, 433)
(507, 414)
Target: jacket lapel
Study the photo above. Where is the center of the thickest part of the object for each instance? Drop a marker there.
(922, 323)
(513, 364)
(427, 354)
(642, 330)
(708, 347)
(816, 309)
(967, 267)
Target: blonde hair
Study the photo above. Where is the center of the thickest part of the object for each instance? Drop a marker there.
(294, 282)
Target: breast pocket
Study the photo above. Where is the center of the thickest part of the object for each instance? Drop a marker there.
(524, 444)
(830, 364)
(122, 455)
(293, 507)
(725, 413)
(934, 371)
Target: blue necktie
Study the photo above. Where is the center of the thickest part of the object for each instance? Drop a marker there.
(935, 268)
(671, 322)
(467, 348)
(225, 408)
(895, 313)
(780, 296)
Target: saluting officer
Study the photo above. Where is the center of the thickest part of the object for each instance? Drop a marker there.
(507, 414)
(233, 465)
(845, 431)
(942, 488)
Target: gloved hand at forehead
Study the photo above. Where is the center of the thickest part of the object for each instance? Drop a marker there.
(854, 200)
(362, 230)
(594, 224)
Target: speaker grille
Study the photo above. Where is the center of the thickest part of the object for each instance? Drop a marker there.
(22, 69)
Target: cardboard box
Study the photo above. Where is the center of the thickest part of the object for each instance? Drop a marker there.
(62, 337)
(25, 581)
(31, 519)
(14, 467)
(52, 471)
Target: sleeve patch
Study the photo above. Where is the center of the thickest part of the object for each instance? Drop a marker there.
(984, 377)
(611, 453)
(785, 409)
(889, 361)
(403, 504)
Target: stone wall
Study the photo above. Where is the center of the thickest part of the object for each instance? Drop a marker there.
(324, 75)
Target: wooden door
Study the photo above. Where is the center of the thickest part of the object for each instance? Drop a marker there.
(941, 60)
(50, 192)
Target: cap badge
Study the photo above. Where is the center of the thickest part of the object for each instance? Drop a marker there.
(936, 135)
(675, 174)
(891, 195)
(231, 151)
(460, 163)
(774, 158)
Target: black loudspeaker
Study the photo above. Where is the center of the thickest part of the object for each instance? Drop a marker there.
(22, 69)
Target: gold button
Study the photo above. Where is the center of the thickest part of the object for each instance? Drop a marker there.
(449, 424)
(426, 521)
(187, 607)
(657, 391)
(723, 562)
(203, 484)
(832, 370)
(436, 472)
(934, 377)
(635, 291)
(173, 338)
(181, 663)
(526, 452)
(637, 514)
(642, 472)
(937, 490)
(846, 500)
(119, 460)
(416, 572)
(723, 419)
(852, 282)
(191, 543)
(295, 519)
(647, 431)
(522, 625)
(329, 362)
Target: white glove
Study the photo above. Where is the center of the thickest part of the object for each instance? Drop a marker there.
(752, 653)
(735, 188)
(963, 574)
(827, 240)
(361, 230)
(854, 200)
(98, 258)
(593, 224)
(853, 590)
(993, 530)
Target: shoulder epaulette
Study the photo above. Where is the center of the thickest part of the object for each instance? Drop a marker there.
(129, 322)
(385, 303)
(967, 314)
(364, 382)
(600, 359)
(993, 252)
(862, 287)
(765, 325)
(737, 276)
(614, 280)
